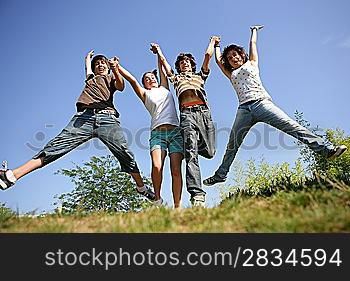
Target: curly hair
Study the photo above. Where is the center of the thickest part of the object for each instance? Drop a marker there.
(240, 50)
(183, 56)
(154, 72)
(96, 58)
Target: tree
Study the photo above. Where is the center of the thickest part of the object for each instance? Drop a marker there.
(100, 186)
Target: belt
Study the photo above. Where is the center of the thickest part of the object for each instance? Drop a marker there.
(199, 107)
(98, 110)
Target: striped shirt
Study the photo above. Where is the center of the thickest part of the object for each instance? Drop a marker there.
(190, 81)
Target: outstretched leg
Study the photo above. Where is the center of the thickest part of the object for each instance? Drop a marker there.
(28, 167)
(78, 131)
(108, 130)
(271, 114)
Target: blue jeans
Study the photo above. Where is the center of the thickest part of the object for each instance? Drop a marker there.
(199, 139)
(265, 111)
(84, 126)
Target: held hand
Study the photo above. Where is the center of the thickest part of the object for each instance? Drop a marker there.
(215, 39)
(90, 54)
(257, 27)
(113, 62)
(155, 48)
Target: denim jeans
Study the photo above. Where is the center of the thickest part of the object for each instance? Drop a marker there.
(85, 126)
(265, 111)
(199, 139)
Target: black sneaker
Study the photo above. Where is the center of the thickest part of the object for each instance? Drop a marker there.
(5, 183)
(212, 180)
(339, 150)
(148, 193)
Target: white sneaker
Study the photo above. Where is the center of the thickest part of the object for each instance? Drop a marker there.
(7, 178)
(198, 201)
(257, 27)
(158, 203)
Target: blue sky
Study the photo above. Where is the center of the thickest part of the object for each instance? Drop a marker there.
(304, 58)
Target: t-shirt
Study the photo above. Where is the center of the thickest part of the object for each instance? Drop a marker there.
(247, 83)
(97, 93)
(161, 106)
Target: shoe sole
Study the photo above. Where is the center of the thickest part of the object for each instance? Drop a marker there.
(198, 205)
(210, 184)
(339, 152)
(3, 185)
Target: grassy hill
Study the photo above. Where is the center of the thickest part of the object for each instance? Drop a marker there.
(312, 209)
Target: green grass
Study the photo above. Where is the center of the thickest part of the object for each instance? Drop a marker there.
(309, 210)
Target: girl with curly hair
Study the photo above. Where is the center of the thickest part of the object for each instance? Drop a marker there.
(256, 105)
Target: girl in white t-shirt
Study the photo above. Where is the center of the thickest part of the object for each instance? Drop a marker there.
(166, 135)
(255, 105)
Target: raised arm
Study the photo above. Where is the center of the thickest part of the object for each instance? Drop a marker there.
(208, 54)
(218, 57)
(162, 72)
(253, 50)
(155, 48)
(138, 89)
(119, 81)
(88, 69)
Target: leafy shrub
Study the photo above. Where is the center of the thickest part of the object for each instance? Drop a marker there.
(338, 169)
(5, 214)
(100, 186)
(263, 179)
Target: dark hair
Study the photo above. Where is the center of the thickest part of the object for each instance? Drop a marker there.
(154, 72)
(96, 58)
(183, 56)
(240, 50)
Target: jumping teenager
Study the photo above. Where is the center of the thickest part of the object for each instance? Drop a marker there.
(256, 105)
(195, 116)
(165, 135)
(96, 117)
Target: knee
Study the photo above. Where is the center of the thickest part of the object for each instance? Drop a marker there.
(176, 172)
(157, 168)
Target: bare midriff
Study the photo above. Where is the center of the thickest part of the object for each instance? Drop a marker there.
(165, 127)
(189, 96)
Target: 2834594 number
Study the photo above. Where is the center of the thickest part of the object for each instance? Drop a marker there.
(294, 257)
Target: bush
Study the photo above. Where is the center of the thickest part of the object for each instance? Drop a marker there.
(263, 179)
(100, 186)
(338, 169)
(5, 214)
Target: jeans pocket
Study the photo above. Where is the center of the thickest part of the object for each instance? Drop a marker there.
(208, 121)
(183, 117)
